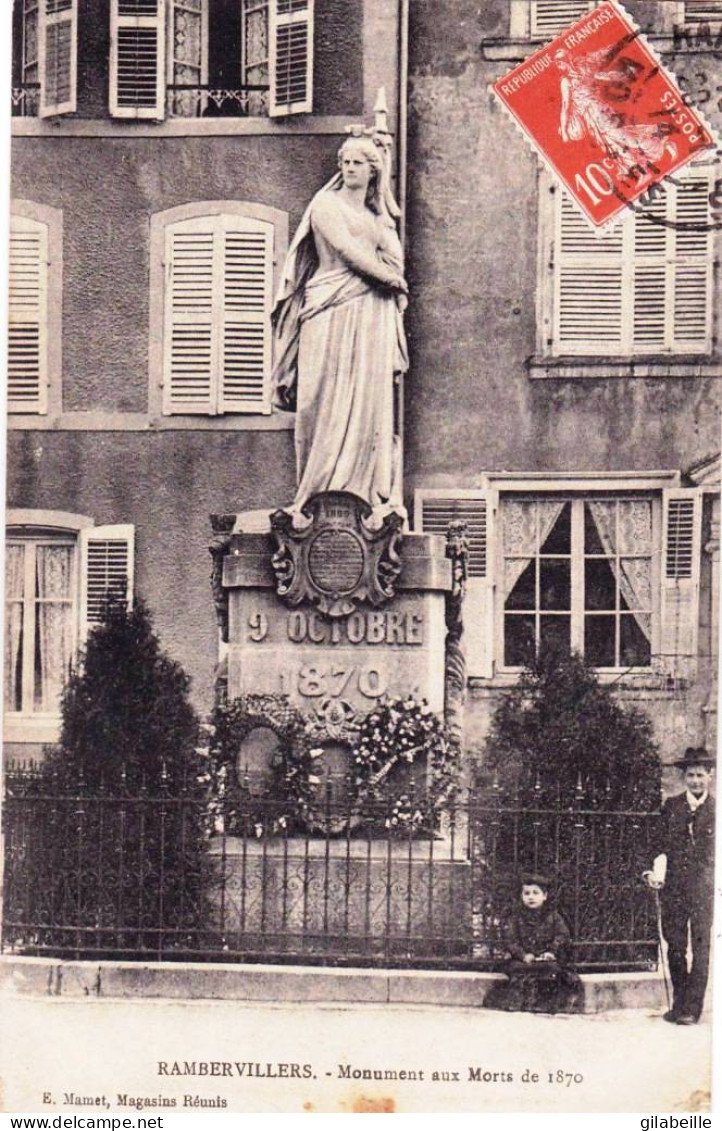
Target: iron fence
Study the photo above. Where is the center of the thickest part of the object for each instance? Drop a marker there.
(145, 871)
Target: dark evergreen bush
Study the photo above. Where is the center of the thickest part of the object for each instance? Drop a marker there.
(117, 841)
(559, 723)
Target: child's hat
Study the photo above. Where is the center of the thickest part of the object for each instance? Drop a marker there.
(695, 756)
(537, 878)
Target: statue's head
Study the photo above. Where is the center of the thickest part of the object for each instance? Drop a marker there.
(365, 148)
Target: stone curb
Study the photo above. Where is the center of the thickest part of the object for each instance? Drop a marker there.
(55, 978)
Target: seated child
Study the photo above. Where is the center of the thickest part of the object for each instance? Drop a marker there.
(539, 946)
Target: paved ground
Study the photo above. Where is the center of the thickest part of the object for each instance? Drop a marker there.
(59, 1050)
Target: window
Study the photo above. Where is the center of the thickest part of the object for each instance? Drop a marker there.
(45, 80)
(644, 287)
(214, 269)
(59, 573)
(168, 56)
(545, 19)
(701, 11)
(611, 575)
(577, 575)
(34, 308)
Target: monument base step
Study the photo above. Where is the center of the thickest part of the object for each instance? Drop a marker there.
(51, 977)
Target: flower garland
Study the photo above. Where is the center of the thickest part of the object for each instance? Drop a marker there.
(404, 731)
(239, 804)
(397, 732)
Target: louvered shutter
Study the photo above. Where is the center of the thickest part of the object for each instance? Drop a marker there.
(682, 523)
(550, 17)
(702, 11)
(645, 287)
(107, 571)
(693, 279)
(190, 345)
(588, 309)
(672, 308)
(28, 316)
(219, 277)
(290, 26)
(58, 53)
(245, 347)
(137, 58)
(437, 511)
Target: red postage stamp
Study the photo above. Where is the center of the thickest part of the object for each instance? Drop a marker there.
(603, 112)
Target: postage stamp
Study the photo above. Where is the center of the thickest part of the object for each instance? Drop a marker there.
(603, 112)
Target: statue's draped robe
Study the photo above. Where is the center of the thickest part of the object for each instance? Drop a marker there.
(340, 341)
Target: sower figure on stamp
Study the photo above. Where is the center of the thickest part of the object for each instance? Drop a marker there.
(683, 871)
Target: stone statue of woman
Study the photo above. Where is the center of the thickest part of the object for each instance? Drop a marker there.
(339, 333)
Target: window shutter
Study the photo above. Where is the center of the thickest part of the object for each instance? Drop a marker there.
(189, 361)
(550, 17)
(58, 56)
(246, 332)
(693, 266)
(682, 522)
(437, 511)
(28, 316)
(219, 279)
(137, 58)
(290, 25)
(646, 286)
(673, 270)
(107, 571)
(588, 285)
(702, 11)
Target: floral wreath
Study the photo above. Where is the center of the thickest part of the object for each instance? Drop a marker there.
(288, 798)
(396, 731)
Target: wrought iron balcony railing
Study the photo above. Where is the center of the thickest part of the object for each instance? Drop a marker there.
(182, 101)
(25, 100)
(208, 101)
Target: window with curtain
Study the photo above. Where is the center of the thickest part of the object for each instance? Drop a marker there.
(58, 580)
(40, 622)
(194, 58)
(577, 575)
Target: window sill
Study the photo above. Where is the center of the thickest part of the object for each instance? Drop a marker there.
(516, 50)
(554, 368)
(140, 422)
(303, 124)
(649, 684)
(31, 728)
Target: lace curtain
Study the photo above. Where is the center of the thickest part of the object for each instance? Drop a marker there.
(625, 528)
(527, 525)
(14, 581)
(54, 635)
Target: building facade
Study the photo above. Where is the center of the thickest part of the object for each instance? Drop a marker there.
(584, 443)
(563, 390)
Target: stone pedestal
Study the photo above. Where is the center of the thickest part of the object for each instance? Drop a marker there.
(335, 644)
(357, 898)
(358, 658)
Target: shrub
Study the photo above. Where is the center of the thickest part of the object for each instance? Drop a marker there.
(560, 722)
(115, 854)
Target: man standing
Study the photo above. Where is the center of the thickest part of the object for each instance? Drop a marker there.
(684, 871)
